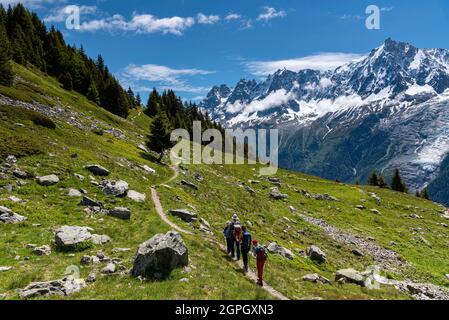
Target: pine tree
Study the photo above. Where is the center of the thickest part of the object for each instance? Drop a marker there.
(397, 183)
(154, 103)
(373, 180)
(425, 194)
(6, 74)
(138, 100)
(92, 94)
(66, 81)
(159, 137)
(381, 182)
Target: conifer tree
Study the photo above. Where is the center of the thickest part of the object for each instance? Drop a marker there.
(159, 136)
(381, 182)
(397, 183)
(425, 194)
(154, 103)
(6, 74)
(373, 180)
(66, 81)
(92, 94)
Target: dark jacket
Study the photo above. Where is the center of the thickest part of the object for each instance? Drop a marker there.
(246, 241)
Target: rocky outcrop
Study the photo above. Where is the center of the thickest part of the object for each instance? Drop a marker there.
(120, 213)
(189, 184)
(157, 257)
(316, 254)
(115, 188)
(184, 214)
(277, 195)
(350, 276)
(48, 180)
(277, 249)
(74, 238)
(62, 287)
(9, 217)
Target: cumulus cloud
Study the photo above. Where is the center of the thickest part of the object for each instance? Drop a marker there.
(163, 77)
(34, 4)
(203, 19)
(274, 99)
(233, 16)
(61, 14)
(140, 23)
(270, 13)
(322, 62)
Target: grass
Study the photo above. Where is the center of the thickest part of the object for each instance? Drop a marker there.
(43, 150)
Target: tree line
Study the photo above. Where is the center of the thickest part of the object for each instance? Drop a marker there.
(24, 38)
(397, 184)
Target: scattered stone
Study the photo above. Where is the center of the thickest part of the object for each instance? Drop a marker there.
(16, 199)
(250, 190)
(375, 211)
(42, 251)
(79, 177)
(11, 159)
(184, 280)
(292, 208)
(100, 239)
(274, 180)
(415, 216)
(316, 254)
(358, 253)
(284, 252)
(189, 184)
(143, 148)
(360, 207)
(115, 250)
(136, 196)
(74, 193)
(148, 169)
(198, 177)
(325, 197)
(184, 214)
(161, 254)
(86, 260)
(4, 269)
(9, 217)
(48, 180)
(275, 194)
(92, 277)
(88, 202)
(115, 188)
(109, 269)
(97, 170)
(121, 213)
(350, 276)
(72, 238)
(205, 226)
(316, 278)
(425, 241)
(21, 174)
(62, 287)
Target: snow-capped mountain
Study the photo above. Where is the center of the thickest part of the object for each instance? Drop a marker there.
(386, 110)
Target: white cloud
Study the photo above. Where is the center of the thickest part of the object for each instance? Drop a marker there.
(274, 99)
(271, 13)
(163, 77)
(322, 62)
(350, 17)
(34, 4)
(61, 14)
(233, 16)
(140, 23)
(387, 9)
(203, 19)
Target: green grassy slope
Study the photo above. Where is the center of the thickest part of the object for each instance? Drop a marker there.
(421, 242)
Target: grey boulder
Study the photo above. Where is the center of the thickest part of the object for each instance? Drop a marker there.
(48, 180)
(115, 188)
(161, 254)
(42, 251)
(350, 276)
(277, 195)
(9, 217)
(316, 254)
(120, 213)
(184, 214)
(316, 278)
(72, 238)
(284, 252)
(97, 170)
(136, 196)
(62, 287)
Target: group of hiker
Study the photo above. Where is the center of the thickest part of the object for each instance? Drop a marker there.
(239, 243)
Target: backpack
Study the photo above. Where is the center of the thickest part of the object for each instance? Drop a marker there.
(238, 233)
(261, 253)
(246, 240)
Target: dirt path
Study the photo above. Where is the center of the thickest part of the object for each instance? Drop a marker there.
(160, 211)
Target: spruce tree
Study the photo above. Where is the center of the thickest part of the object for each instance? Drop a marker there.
(159, 137)
(397, 183)
(373, 180)
(154, 103)
(381, 182)
(92, 94)
(66, 81)
(6, 74)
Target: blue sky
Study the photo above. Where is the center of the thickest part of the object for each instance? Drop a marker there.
(191, 45)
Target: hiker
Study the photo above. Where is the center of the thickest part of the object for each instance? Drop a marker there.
(261, 257)
(229, 236)
(246, 247)
(238, 235)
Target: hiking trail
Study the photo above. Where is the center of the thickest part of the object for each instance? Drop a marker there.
(160, 211)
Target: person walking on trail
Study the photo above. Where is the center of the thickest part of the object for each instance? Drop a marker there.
(261, 257)
(246, 247)
(228, 232)
(238, 236)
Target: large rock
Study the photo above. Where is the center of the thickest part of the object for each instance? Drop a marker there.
(136, 196)
(157, 257)
(316, 278)
(9, 217)
(121, 213)
(73, 238)
(284, 252)
(189, 184)
(277, 195)
(148, 169)
(90, 202)
(74, 193)
(97, 170)
(316, 254)
(62, 287)
(42, 251)
(350, 276)
(115, 188)
(184, 214)
(21, 174)
(48, 180)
